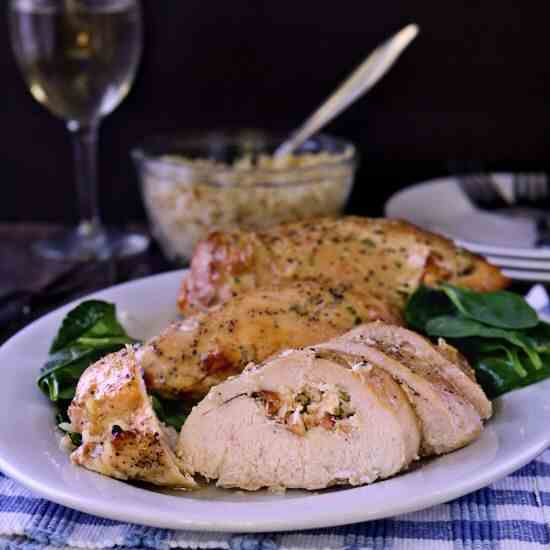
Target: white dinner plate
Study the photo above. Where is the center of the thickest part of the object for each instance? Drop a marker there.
(521, 269)
(526, 275)
(29, 450)
(454, 216)
(520, 263)
(540, 254)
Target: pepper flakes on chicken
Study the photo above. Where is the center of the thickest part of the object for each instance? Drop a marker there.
(121, 435)
(388, 258)
(193, 355)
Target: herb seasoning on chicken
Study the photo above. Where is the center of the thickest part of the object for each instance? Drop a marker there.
(389, 258)
(192, 355)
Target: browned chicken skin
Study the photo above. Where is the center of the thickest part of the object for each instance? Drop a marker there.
(121, 435)
(193, 355)
(389, 258)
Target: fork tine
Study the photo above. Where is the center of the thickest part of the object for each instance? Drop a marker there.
(533, 188)
(481, 191)
(521, 190)
(542, 188)
(530, 189)
(546, 194)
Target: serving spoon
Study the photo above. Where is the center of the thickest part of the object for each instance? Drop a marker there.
(373, 68)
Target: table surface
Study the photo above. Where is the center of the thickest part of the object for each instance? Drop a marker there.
(21, 269)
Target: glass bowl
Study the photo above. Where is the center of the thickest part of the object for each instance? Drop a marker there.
(221, 180)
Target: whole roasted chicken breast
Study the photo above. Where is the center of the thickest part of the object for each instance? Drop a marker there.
(193, 355)
(388, 258)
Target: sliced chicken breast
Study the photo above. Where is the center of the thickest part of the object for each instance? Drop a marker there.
(448, 421)
(301, 420)
(401, 343)
(193, 355)
(121, 435)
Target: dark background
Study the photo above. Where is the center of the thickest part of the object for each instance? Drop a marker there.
(471, 93)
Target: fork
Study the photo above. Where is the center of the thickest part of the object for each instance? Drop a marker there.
(531, 190)
(482, 191)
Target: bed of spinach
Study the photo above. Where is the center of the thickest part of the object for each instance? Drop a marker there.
(499, 333)
(89, 332)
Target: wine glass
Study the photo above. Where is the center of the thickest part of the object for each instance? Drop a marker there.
(79, 59)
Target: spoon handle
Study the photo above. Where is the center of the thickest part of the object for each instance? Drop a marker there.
(360, 81)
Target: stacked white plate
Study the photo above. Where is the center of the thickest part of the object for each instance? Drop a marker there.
(441, 206)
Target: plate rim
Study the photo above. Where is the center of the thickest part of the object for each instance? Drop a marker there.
(243, 525)
(525, 275)
(480, 248)
(275, 524)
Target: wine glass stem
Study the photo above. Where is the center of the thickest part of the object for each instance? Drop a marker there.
(84, 138)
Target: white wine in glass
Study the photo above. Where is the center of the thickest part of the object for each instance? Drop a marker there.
(79, 59)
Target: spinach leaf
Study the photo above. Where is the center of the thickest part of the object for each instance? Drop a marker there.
(63, 369)
(498, 309)
(461, 327)
(448, 326)
(171, 412)
(498, 332)
(497, 376)
(425, 304)
(477, 347)
(92, 318)
(522, 341)
(88, 332)
(539, 337)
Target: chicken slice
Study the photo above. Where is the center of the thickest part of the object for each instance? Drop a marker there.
(121, 435)
(401, 343)
(448, 421)
(193, 355)
(301, 421)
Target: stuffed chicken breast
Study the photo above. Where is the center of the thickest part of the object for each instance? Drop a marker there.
(357, 408)
(401, 343)
(449, 404)
(301, 421)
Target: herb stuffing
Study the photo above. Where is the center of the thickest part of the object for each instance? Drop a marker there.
(89, 332)
(499, 333)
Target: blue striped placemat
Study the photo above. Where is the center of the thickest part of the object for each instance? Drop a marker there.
(511, 514)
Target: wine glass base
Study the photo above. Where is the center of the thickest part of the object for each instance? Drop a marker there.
(75, 245)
